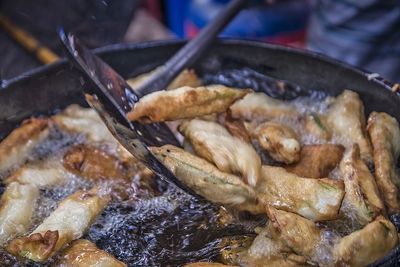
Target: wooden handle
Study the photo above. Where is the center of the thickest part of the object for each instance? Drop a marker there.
(43, 53)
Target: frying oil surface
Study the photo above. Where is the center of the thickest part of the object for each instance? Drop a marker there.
(174, 228)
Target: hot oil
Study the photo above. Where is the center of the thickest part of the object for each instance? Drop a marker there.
(173, 228)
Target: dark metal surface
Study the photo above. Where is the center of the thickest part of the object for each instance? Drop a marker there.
(47, 89)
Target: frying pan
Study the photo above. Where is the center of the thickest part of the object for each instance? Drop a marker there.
(238, 63)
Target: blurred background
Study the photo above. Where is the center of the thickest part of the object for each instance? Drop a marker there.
(102, 22)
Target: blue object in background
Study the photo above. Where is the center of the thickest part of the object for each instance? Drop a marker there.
(284, 22)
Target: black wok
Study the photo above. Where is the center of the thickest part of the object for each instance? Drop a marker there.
(234, 62)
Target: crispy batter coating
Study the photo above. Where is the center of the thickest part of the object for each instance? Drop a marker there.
(314, 199)
(206, 264)
(37, 175)
(385, 136)
(281, 142)
(264, 251)
(317, 161)
(85, 121)
(15, 148)
(260, 107)
(317, 125)
(236, 127)
(184, 102)
(82, 253)
(346, 118)
(206, 180)
(17, 207)
(125, 180)
(362, 194)
(367, 245)
(230, 154)
(69, 221)
(185, 78)
(294, 233)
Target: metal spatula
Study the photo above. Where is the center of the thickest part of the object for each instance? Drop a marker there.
(110, 95)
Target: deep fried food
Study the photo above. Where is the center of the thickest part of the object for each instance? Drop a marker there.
(207, 180)
(185, 78)
(346, 118)
(260, 107)
(15, 148)
(264, 251)
(87, 122)
(385, 136)
(98, 166)
(362, 194)
(17, 208)
(317, 125)
(236, 127)
(230, 154)
(314, 199)
(40, 176)
(317, 161)
(82, 253)
(294, 233)
(365, 246)
(184, 102)
(69, 221)
(281, 142)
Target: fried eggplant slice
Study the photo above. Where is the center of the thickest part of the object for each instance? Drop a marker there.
(184, 102)
(15, 148)
(314, 199)
(294, 233)
(367, 245)
(206, 180)
(230, 154)
(40, 176)
(317, 125)
(82, 253)
(317, 161)
(264, 251)
(260, 107)
(362, 194)
(68, 222)
(185, 78)
(281, 142)
(16, 210)
(346, 118)
(385, 136)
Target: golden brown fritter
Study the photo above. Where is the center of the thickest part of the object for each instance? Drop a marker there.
(281, 142)
(184, 102)
(346, 119)
(83, 253)
(230, 154)
(314, 199)
(385, 136)
(69, 221)
(185, 78)
(317, 161)
(206, 180)
(264, 251)
(15, 148)
(362, 194)
(17, 208)
(260, 107)
(367, 245)
(125, 179)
